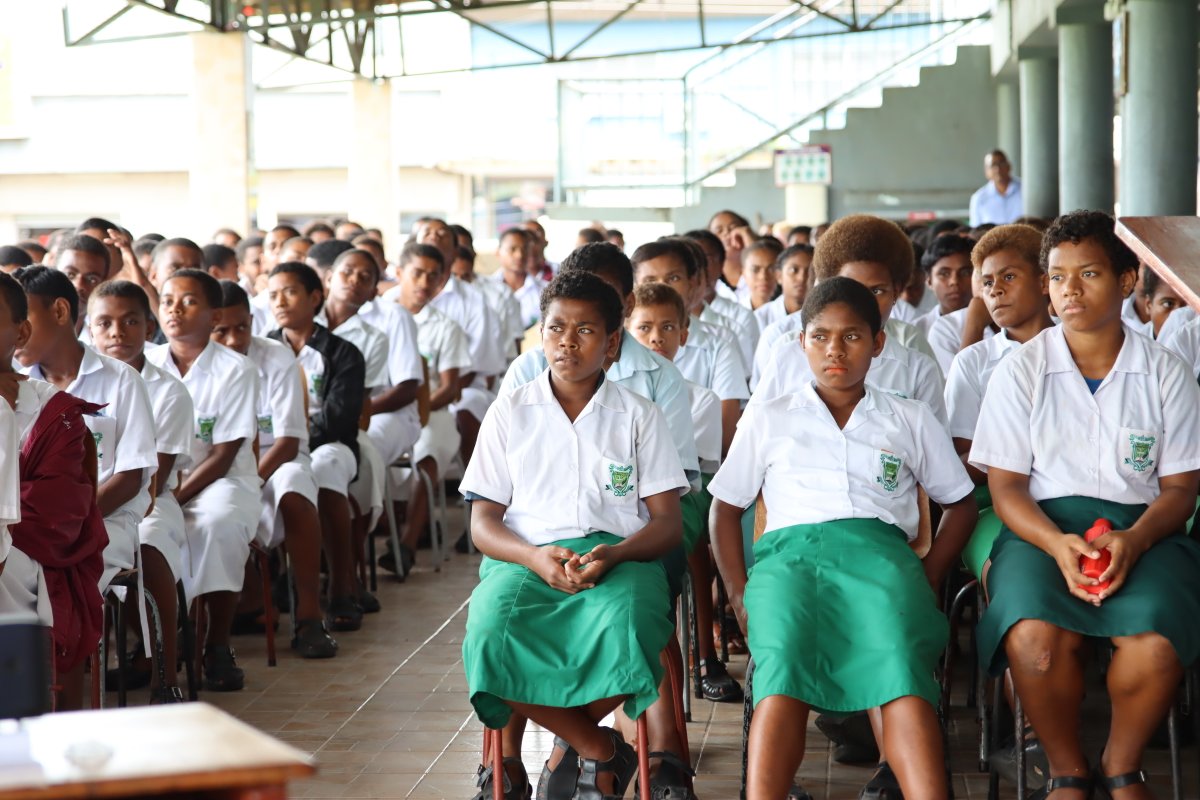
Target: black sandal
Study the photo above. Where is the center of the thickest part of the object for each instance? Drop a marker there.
(623, 764)
(1085, 785)
(716, 684)
(221, 672)
(883, 785)
(483, 780)
(1108, 783)
(559, 783)
(672, 779)
(345, 614)
(798, 792)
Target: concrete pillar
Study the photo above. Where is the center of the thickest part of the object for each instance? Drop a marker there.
(806, 203)
(1085, 139)
(1039, 135)
(371, 176)
(220, 161)
(1008, 123)
(1158, 165)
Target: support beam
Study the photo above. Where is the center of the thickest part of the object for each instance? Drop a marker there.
(219, 173)
(1039, 134)
(1158, 166)
(1085, 143)
(371, 176)
(1008, 122)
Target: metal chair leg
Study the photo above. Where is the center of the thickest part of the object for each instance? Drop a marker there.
(747, 714)
(389, 505)
(1019, 734)
(187, 644)
(643, 753)
(684, 625)
(437, 564)
(1176, 766)
(721, 601)
(122, 656)
(156, 623)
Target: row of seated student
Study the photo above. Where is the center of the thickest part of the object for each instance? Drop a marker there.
(722, 365)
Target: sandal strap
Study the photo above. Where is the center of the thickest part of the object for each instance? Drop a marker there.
(1068, 782)
(1121, 781)
(670, 758)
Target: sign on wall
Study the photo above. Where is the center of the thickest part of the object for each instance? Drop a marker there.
(809, 164)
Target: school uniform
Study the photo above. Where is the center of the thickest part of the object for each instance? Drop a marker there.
(645, 373)
(709, 361)
(124, 435)
(770, 313)
(443, 344)
(897, 370)
(907, 312)
(1183, 339)
(280, 413)
(503, 302)
(945, 336)
(528, 297)
(841, 509)
(771, 334)
(1129, 313)
(164, 528)
(1091, 452)
(706, 419)
(739, 320)
(221, 520)
(393, 433)
(467, 306)
(23, 582)
(262, 321)
(524, 640)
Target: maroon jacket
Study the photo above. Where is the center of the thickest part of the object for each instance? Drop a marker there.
(61, 527)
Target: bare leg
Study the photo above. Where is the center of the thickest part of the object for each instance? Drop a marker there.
(776, 746)
(302, 532)
(1047, 674)
(335, 526)
(221, 607)
(1143, 679)
(418, 507)
(468, 429)
(660, 717)
(580, 727)
(875, 715)
(914, 740)
(512, 738)
(700, 563)
(160, 584)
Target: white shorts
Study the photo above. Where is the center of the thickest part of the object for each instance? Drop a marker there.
(395, 433)
(475, 401)
(121, 551)
(333, 467)
(294, 477)
(367, 489)
(163, 530)
(23, 588)
(439, 440)
(220, 523)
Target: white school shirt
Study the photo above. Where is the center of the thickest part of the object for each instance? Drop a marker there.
(1183, 340)
(10, 473)
(173, 415)
(370, 342)
(1129, 313)
(400, 330)
(706, 419)
(896, 370)
(945, 336)
(640, 370)
(442, 344)
(616, 453)
(907, 312)
(739, 320)
(709, 361)
(224, 389)
(770, 313)
(467, 306)
(1174, 323)
(967, 382)
(123, 429)
(810, 471)
(508, 312)
(280, 408)
(726, 335)
(766, 344)
(262, 321)
(1040, 420)
(528, 297)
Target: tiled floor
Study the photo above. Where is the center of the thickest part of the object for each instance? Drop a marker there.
(389, 718)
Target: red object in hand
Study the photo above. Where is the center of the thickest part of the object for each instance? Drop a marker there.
(1095, 567)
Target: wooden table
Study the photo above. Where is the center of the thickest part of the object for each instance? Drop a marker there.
(190, 750)
(1171, 247)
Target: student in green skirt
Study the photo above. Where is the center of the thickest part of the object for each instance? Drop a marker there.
(575, 483)
(1012, 294)
(839, 612)
(1091, 420)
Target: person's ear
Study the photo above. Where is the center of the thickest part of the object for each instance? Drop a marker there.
(613, 345)
(683, 335)
(1044, 283)
(1128, 279)
(151, 328)
(24, 331)
(880, 340)
(217, 315)
(61, 310)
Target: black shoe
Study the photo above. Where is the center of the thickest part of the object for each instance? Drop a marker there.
(136, 677)
(1037, 766)
(623, 765)
(882, 786)
(368, 602)
(520, 791)
(408, 557)
(672, 779)
(312, 640)
(852, 736)
(797, 792)
(221, 672)
(248, 623)
(717, 684)
(559, 783)
(345, 614)
(165, 695)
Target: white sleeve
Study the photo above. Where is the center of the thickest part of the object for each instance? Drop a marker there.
(487, 475)
(238, 419)
(728, 376)
(10, 477)
(136, 447)
(658, 461)
(1181, 423)
(740, 477)
(456, 350)
(944, 341)
(404, 359)
(285, 393)
(1002, 436)
(936, 465)
(928, 386)
(521, 371)
(963, 398)
(175, 418)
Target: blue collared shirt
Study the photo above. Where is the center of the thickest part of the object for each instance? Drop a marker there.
(988, 205)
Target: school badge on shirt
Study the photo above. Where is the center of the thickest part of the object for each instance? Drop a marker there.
(265, 424)
(98, 437)
(619, 477)
(1139, 452)
(206, 429)
(889, 471)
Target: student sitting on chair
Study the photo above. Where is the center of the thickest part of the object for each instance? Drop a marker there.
(578, 537)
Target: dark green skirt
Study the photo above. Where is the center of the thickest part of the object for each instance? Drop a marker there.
(983, 538)
(529, 643)
(694, 506)
(1161, 593)
(842, 617)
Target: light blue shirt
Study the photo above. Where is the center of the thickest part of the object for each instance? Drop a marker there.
(989, 206)
(641, 371)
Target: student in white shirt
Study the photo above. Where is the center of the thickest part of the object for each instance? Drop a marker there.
(947, 263)
(877, 254)
(1161, 300)
(512, 252)
(290, 492)
(793, 270)
(758, 271)
(123, 430)
(443, 345)
(734, 232)
(838, 464)
(85, 261)
(915, 300)
(1091, 420)
(220, 492)
(608, 513)
(711, 307)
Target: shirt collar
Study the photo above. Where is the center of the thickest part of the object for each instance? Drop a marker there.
(540, 394)
(807, 398)
(91, 362)
(1132, 358)
(635, 357)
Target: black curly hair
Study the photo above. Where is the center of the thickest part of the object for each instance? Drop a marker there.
(1094, 226)
(578, 284)
(842, 290)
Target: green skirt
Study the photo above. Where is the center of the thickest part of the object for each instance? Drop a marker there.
(842, 617)
(1161, 593)
(694, 506)
(529, 643)
(983, 538)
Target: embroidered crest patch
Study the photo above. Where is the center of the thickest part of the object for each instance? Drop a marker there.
(619, 477)
(265, 424)
(889, 471)
(1139, 452)
(317, 381)
(98, 437)
(206, 425)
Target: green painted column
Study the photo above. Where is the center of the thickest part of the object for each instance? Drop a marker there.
(1158, 164)
(1008, 122)
(1085, 134)
(1039, 135)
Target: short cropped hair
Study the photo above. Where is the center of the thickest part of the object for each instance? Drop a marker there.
(672, 246)
(283, 226)
(738, 219)
(85, 244)
(210, 286)
(767, 244)
(466, 254)
(414, 250)
(126, 290)
(34, 248)
(14, 297)
(577, 284)
(97, 223)
(317, 226)
(708, 239)
(789, 252)
(1023, 240)
(179, 241)
(11, 254)
(234, 296)
(50, 285)
(591, 235)
(862, 237)
(842, 290)
(944, 246)
(326, 252)
(1150, 282)
(244, 246)
(520, 233)
(217, 255)
(146, 244)
(307, 276)
(359, 252)
(602, 258)
(659, 294)
(1095, 226)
